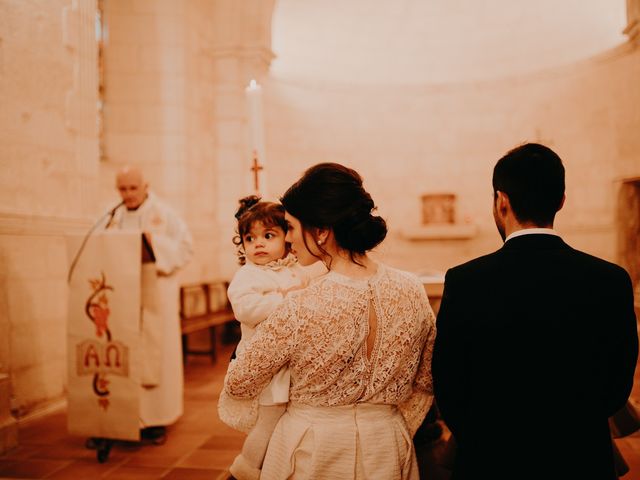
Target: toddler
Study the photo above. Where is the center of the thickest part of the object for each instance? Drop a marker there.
(269, 271)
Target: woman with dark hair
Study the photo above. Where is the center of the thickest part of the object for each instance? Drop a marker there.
(358, 342)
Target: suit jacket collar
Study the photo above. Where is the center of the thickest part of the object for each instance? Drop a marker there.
(535, 241)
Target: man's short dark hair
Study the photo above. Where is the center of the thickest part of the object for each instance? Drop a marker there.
(532, 176)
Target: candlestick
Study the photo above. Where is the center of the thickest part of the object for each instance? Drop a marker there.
(256, 158)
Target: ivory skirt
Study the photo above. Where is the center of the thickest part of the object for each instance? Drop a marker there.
(361, 441)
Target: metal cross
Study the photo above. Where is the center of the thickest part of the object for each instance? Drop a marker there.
(255, 168)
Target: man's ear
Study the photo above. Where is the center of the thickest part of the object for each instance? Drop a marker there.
(503, 204)
(564, 197)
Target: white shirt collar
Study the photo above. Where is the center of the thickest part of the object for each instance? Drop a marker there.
(531, 231)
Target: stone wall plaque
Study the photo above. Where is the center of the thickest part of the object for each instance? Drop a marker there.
(438, 209)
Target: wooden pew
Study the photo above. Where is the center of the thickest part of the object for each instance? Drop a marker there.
(203, 306)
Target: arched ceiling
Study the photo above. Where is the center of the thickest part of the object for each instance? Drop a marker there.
(437, 41)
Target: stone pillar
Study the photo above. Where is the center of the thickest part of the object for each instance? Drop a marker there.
(78, 38)
(241, 52)
(47, 190)
(233, 158)
(159, 110)
(145, 94)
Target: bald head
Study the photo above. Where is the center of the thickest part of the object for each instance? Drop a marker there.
(132, 186)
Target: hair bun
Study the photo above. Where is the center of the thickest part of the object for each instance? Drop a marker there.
(245, 204)
(363, 233)
(330, 195)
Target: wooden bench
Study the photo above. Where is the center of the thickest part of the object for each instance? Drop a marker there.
(203, 306)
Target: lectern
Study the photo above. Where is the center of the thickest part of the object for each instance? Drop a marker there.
(112, 338)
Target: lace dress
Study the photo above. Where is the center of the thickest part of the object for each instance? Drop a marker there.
(352, 412)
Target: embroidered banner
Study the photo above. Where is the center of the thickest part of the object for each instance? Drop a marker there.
(103, 338)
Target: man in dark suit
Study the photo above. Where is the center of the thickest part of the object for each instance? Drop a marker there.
(537, 342)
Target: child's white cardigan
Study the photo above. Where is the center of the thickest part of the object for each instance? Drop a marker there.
(254, 294)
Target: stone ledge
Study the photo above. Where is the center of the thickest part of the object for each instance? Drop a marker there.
(24, 224)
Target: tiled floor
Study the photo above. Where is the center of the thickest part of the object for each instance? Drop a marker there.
(199, 446)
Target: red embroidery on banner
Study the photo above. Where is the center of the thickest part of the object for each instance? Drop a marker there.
(90, 357)
(97, 357)
(97, 305)
(100, 318)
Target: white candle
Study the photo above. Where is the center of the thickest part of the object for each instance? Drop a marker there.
(256, 136)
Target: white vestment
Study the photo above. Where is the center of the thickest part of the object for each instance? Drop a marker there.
(162, 404)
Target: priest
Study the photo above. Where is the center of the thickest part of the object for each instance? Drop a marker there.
(161, 396)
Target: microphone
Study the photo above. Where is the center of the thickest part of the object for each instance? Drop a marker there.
(109, 213)
(112, 214)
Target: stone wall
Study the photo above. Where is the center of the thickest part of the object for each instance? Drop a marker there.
(48, 181)
(158, 111)
(410, 141)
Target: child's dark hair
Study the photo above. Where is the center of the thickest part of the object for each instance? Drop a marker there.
(330, 195)
(252, 209)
